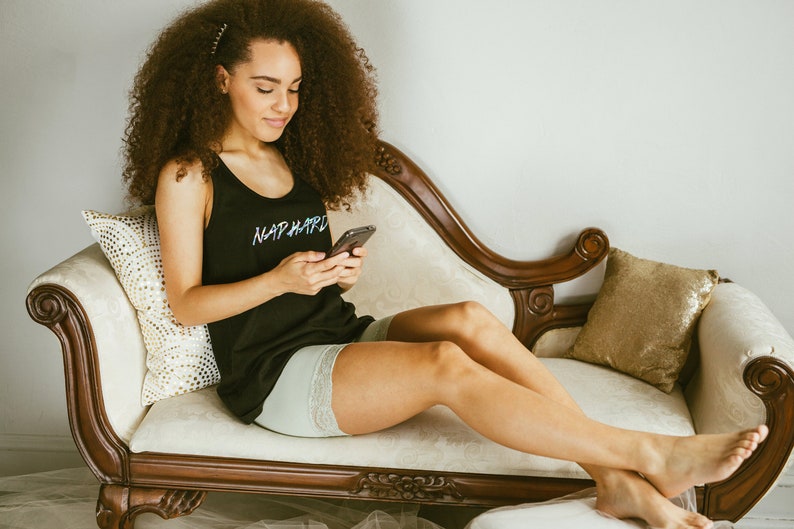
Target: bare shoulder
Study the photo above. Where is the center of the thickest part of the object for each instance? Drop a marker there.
(182, 190)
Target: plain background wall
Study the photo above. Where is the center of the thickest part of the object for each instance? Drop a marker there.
(668, 124)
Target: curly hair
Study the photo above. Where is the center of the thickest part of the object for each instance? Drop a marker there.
(178, 113)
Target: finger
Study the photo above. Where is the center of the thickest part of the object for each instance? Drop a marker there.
(314, 257)
(336, 259)
(304, 257)
(350, 273)
(353, 262)
(329, 277)
(312, 283)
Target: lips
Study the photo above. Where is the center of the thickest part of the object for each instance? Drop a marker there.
(276, 123)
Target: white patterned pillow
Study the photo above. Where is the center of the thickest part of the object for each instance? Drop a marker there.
(179, 358)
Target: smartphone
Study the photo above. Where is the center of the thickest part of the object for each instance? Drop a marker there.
(352, 238)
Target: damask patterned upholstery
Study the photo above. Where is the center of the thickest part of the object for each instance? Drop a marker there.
(735, 328)
(198, 424)
(409, 265)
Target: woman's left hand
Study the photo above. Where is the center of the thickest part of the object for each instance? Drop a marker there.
(352, 271)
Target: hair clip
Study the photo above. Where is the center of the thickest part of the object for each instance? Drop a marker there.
(217, 39)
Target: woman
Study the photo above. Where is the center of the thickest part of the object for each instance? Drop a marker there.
(248, 119)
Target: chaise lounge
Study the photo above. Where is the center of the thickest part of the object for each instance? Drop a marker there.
(162, 450)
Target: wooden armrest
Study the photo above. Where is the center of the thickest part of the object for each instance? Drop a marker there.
(746, 377)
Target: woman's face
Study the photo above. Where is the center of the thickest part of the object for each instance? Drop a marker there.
(264, 91)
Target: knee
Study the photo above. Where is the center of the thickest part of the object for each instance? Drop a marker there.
(473, 318)
(449, 364)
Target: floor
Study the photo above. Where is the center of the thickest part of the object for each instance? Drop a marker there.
(66, 499)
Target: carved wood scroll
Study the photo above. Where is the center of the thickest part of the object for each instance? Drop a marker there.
(118, 506)
(407, 488)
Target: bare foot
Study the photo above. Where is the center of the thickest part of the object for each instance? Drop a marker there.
(701, 459)
(622, 494)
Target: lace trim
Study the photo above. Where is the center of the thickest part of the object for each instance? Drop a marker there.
(320, 411)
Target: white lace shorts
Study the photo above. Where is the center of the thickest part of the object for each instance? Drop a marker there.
(300, 403)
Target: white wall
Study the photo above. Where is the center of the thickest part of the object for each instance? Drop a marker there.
(66, 68)
(668, 124)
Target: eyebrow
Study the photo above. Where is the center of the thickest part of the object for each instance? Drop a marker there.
(273, 79)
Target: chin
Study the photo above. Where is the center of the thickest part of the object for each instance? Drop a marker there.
(270, 138)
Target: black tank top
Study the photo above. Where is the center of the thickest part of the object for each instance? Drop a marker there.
(247, 235)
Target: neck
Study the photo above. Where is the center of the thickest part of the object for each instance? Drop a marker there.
(250, 148)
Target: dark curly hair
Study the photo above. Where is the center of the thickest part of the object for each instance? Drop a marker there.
(178, 112)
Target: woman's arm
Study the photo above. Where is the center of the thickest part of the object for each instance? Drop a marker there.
(183, 208)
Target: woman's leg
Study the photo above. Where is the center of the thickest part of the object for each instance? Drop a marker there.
(377, 385)
(620, 493)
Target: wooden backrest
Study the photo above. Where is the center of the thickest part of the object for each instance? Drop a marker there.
(529, 283)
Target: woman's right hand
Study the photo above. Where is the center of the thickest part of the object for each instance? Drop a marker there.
(308, 272)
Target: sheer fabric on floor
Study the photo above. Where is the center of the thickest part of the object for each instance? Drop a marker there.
(66, 499)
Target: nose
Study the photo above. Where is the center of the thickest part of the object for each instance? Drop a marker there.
(283, 103)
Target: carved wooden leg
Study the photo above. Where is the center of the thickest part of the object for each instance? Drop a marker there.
(118, 505)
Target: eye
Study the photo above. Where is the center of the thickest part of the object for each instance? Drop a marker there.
(264, 90)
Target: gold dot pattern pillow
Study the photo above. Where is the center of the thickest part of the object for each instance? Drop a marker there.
(179, 358)
(643, 318)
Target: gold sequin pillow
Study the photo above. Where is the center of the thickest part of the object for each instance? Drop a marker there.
(643, 318)
(179, 358)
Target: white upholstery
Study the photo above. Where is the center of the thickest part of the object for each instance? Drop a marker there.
(198, 424)
(735, 328)
(409, 265)
(556, 342)
(122, 355)
(575, 511)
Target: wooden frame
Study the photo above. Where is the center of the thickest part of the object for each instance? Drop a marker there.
(173, 485)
